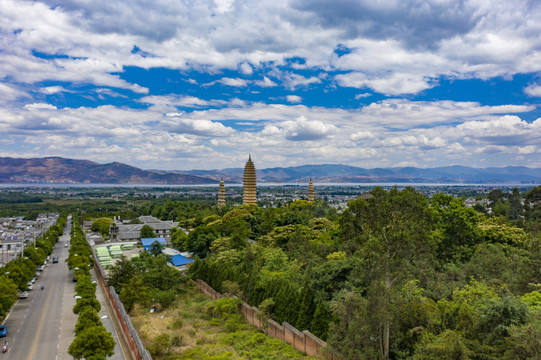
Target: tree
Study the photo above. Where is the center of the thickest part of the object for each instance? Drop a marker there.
(391, 231)
(147, 232)
(515, 206)
(457, 232)
(449, 345)
(494, 196)
(102, 226)
(8, 294)
(133, 292)
(87, 317)
(156, 248)
(120, 273)
(85, 302)
(94, 342)
(321, 320)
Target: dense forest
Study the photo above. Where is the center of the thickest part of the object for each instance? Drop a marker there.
(396, 275)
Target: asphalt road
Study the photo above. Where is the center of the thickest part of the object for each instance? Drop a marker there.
(41, 326)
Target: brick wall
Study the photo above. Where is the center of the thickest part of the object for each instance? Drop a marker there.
(303, 341)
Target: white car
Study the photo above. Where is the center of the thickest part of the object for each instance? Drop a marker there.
(30, 287)
(23, 295)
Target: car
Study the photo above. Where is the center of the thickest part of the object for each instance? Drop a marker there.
(55, 260)
(23, 295)
(30, 287)
(74, 279)
(66, 245)
(3, 331)
(40, 268)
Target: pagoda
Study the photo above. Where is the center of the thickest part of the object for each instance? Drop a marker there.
(221, 194)
(311, 196)
(249, 183)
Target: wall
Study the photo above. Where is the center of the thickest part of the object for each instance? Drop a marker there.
(303, 341)
(129, 333)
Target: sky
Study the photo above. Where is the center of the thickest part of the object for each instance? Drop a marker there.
(200, 84)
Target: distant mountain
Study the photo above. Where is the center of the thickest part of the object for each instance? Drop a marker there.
(332, 173)
(60, 170)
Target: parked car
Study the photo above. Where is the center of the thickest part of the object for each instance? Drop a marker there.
(66, 245)
(23, 295)
(3, 331)
(30, 287)
(55, 260)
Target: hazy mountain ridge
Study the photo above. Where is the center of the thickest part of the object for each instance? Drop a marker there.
(61, 170)
(336, 173)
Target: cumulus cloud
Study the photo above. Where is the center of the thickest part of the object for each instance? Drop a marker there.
(49, 90)
(198, 127)
(266, 82)
(533, 90)
(39, 106)
(302, 129)
(294, 99)
(292, 80)
(236, 82)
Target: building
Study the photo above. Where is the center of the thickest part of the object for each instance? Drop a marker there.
(132, 232)
(147, 242)
(311, 195)
(221, 194)
(249, 183)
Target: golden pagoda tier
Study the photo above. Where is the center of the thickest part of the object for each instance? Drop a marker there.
(249, 183)
(221, 194)
(311, 195)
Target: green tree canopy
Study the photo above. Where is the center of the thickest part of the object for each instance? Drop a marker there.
(147, 232)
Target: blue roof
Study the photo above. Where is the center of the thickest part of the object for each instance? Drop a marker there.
(148, 241)
(179, 260)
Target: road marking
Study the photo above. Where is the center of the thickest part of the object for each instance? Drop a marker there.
(40, 323)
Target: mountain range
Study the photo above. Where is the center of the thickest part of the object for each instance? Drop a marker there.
(61, 170)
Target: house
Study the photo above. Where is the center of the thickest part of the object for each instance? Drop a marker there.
(131, 232)
(147, 242)
(179, 260)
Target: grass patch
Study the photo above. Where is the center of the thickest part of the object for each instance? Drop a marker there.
(195, 327)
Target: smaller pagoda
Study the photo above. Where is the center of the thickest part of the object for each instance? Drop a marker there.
(221, 194)
(311, 195)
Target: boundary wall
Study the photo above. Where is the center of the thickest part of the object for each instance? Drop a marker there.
(131, 336)
(303, 341)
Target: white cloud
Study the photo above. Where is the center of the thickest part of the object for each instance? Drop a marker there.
(294, 99)
(266, 82)
(49, 90)
(362, 95)
(246, 69)
(39, 106)
(361, 135)
(236, 82)
(533, 90)
(198, 127)
(302, 129)
(292, 80)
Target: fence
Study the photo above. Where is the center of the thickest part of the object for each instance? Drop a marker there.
(129, 333)
(303, 341)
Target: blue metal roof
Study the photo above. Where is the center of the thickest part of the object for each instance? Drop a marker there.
(179, 260)
(148, 241)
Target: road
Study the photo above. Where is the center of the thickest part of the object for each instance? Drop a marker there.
(41, 326)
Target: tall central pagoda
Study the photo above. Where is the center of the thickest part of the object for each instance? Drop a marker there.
(249, 183)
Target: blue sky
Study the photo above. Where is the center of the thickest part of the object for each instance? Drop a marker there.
(201, 84)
